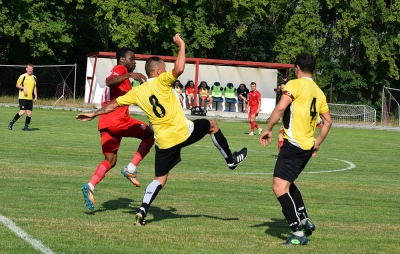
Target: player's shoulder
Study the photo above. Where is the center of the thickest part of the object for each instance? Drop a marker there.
(120, 69)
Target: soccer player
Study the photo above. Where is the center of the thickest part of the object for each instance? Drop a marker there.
(301, 105)
(172, 129)
(27, 95)
(254, 108)
(113, 127)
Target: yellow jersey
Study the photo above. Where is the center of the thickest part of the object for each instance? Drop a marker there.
(159, 102)
(29, 82)
(301, 116)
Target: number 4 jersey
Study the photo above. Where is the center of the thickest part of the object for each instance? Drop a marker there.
(301, 116)
(159, 102)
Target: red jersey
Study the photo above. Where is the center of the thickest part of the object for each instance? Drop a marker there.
(254, 98)
(110, 94)
(190, 90)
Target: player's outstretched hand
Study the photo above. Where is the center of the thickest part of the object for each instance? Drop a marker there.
(178, 40)
(266, 138)
(85, 117)
(138, 76)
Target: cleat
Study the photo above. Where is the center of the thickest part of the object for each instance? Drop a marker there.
(25, 128)
(88, 196)
(140, 218)
(238, 157)
(251, 133)
(296, 240)
(10, 125)
(130, 176)
(259, 131)
(308, 228)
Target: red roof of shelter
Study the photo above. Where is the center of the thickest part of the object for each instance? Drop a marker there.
(202, 61)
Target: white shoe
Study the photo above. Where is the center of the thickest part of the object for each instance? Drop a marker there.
(251, 133)
(259, 131)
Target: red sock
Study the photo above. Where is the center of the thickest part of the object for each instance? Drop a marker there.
(256, 125)
(100, 172)
(280, 144)
(252, 125)
(142, 151)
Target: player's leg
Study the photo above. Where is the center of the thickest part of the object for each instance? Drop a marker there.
(255, 125)
(291, 161)
(165, 160)
(22, 104)
(251, 117)
(280, 139)
(29, 108)
(307, 225)
(234, 159)
(110, 145)
(136, 129)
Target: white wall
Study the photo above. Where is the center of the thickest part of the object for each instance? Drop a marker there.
(266, 79)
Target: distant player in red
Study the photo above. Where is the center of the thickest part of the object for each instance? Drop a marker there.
(254, 108)
(118, 124)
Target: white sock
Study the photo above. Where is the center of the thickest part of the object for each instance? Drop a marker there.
(299, 233)
(131, 168)
(91, 186)
(303, 221)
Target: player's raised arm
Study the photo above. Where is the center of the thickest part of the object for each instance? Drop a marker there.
(110, 107)
(181, 58)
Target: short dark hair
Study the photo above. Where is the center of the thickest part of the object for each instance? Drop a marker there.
(306, 62)
(151, 64)
(121, 52)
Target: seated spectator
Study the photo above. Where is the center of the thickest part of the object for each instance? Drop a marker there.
(178, 88)
(190, 92)
(204, 93)
(242, 93)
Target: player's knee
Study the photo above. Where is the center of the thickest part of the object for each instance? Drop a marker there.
(213, 126)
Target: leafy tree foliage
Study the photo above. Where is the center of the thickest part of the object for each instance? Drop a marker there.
(356, 42)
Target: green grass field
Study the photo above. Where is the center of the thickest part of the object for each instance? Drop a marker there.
(351, 190)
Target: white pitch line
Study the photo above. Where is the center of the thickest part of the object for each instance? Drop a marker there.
(19, 232)
(351, 166)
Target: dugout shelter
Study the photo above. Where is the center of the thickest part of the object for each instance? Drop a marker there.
(264, 74)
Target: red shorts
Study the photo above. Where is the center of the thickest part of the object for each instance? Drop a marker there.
(252, 111)
(129, 127)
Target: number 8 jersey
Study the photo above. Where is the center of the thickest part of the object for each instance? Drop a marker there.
(162, 107)
(301, 116)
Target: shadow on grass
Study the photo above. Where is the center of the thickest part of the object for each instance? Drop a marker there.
(32, 129)
(160, 214)
(276, 227)
(121, 203)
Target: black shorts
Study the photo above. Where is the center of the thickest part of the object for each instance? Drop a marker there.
(166, 159)
(25, 104)
(291, 161)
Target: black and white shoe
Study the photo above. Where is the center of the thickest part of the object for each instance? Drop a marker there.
(140, 219)
(238, 157)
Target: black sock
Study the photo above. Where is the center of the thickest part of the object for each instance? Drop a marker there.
(289, 211)
(16, 117)
(298, 200)
(221, 143)
(150, 194)
(27, 121)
